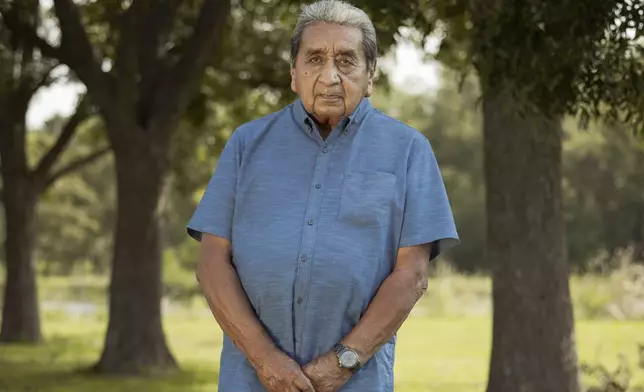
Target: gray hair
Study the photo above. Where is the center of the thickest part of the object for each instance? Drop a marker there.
(341, 13)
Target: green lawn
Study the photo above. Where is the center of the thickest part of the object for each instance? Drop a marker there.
(435, 354)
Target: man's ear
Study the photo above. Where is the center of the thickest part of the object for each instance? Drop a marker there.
(293, 80)
(372, 77)
(369, 88)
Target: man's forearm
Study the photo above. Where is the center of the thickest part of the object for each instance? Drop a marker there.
(389, 308)
(228, 301)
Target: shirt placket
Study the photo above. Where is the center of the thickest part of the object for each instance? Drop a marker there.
(303, 274)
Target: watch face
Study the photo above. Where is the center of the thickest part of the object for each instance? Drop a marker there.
(348, 359)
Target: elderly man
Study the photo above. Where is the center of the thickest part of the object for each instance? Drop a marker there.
(318, 224)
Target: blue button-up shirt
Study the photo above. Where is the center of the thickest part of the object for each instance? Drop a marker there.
(315, 227)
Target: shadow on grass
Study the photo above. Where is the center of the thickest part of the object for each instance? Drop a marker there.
(62, 364)
(13, 378)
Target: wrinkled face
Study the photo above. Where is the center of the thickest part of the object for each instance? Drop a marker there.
(330, 73)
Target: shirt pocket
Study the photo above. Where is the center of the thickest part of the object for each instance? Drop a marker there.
(366, 198)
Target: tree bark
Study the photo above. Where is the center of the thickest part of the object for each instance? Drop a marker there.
(533, 347)
(135, 342)
(20, 313)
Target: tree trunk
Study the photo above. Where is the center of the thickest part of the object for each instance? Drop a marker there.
(135, 342)
(20, 313)
(533, 346)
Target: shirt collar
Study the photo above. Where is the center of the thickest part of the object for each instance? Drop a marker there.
(302, 117)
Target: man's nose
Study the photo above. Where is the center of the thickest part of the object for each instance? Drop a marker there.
(330, 74)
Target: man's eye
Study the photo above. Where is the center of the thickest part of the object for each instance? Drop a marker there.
(315, 60)
(345, 62)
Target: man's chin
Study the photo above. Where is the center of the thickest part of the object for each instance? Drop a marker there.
(330, 110)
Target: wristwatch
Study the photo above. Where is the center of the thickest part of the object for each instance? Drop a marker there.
(347, 357)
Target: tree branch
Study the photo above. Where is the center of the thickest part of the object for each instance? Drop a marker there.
(126, 65)
(75, 165)
(139, 60)
(12, 20)
(30, 85)
(75, 49)
(45, 78)
(50, 158)
(156, 26)
(183, 79)
(79, 54)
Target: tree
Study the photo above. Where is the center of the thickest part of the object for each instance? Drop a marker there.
(142, 64)
(536, 62)
(22, 73)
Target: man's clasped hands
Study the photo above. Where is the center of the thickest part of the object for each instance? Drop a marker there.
(280, 373)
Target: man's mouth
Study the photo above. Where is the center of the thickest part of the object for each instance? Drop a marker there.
(330, 96)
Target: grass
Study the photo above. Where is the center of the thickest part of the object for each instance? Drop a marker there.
(433, 354)
(443, 347)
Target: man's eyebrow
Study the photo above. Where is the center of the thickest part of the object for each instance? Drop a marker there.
(345, 52)
(312, 51)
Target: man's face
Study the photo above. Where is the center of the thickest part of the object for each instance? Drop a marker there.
(330, 73)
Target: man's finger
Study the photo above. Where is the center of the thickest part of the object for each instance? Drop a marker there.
(295, 388)
(303, 383)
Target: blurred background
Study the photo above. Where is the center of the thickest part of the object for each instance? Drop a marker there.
(113, 114)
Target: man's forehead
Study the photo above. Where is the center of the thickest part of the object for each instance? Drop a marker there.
(324, 37)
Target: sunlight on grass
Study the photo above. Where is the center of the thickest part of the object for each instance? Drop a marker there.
(452, 354)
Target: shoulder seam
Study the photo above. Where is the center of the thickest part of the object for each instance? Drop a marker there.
(396, 120)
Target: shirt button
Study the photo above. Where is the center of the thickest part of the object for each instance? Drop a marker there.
(310, 222)
(325, 150)
(318, 186)
(299, 300)
(304, 258)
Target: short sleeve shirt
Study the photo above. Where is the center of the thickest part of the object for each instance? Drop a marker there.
(316, 225)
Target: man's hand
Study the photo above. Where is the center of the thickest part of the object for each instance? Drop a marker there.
(279, 373)
(325, 373)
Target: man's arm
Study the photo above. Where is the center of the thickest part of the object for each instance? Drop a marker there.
(232, 310)
(393, 302)
(228, 301)
(391, 305)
